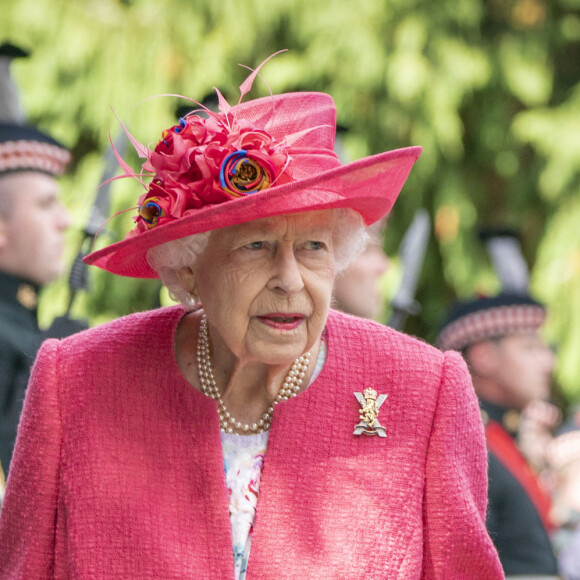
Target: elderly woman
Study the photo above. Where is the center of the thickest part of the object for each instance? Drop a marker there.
(252, 432)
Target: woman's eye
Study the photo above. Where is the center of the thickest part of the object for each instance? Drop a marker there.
(314, 245)
(255, 245)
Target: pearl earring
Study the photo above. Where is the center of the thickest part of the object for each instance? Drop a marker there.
(191, 300)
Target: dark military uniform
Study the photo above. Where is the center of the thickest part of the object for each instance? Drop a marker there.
(23, 148)
(20, 338)
(518, 513)
(514, 518)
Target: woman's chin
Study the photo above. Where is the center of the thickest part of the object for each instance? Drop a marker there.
(278, 356)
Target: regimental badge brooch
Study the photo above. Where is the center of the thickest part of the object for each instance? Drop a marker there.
(368, 415)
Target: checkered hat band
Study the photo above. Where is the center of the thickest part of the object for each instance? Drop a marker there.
(488, 323)
(33, 155)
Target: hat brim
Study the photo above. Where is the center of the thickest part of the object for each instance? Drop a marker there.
(370, 186)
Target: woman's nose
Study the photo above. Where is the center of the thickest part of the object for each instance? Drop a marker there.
(287, 275)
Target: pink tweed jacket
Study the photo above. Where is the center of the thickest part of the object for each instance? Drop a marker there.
(118, 468)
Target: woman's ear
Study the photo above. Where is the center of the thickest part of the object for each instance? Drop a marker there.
(186, 279)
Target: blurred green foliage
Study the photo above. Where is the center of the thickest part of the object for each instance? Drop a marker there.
(489, 88)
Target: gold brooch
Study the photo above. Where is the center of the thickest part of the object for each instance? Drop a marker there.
(368, 415)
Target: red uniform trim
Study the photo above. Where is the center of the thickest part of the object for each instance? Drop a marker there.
(502, 445)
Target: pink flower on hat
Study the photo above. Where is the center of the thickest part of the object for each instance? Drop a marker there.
(205, 161)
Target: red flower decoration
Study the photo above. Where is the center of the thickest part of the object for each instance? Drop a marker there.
(206, 161)
(244, 172)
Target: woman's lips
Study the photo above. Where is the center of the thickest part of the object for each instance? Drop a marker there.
(282, 321)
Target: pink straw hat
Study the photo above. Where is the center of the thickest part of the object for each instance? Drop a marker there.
(266, 157)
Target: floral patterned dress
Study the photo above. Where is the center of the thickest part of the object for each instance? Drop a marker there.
(243, 457)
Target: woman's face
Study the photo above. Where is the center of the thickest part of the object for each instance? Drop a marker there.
(266, 286)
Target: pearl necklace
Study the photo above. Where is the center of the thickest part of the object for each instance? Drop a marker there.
(228, 423)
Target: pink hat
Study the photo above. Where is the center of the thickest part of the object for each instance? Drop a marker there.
(266, 157)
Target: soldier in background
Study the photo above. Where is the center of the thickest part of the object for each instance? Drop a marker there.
(357, 290)
(32, 225)
(511, 367)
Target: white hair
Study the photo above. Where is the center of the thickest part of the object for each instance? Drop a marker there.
(349, 239)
